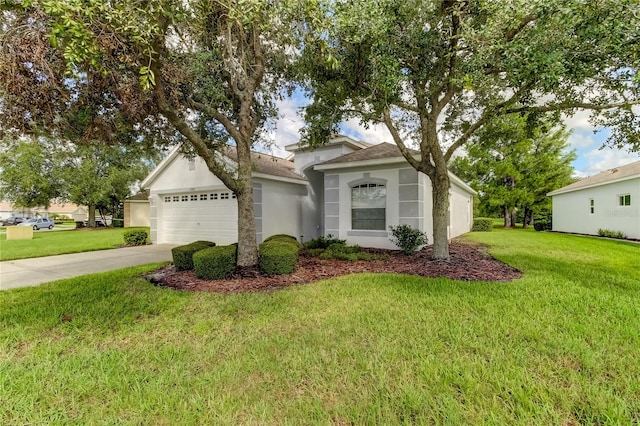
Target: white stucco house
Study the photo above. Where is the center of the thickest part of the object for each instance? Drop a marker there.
(609, 200)
(349, 189)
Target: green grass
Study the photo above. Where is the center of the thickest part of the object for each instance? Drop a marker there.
(49, 243)
(559, 346)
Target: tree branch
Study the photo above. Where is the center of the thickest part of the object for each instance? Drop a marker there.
(218, 116)
(570, 105)
(406, 153)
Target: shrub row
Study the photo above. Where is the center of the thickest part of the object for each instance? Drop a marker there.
(482, 224)
(542, 225)
(215, 263)
(135, 237)
(323, 242)
(279, 255)
(183, 255)
(611, 234)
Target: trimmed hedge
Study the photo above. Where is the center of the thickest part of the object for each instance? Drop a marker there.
(323, 242)
(215, 263)
(482, 224)
(135, 237)
(183, 255)
(278, 256)
(281, 237)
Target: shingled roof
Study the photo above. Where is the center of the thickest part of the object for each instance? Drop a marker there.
(375, 152)
(269, 164)
(617, 173)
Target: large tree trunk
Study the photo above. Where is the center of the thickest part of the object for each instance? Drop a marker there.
(92, 216)
(247, 244)
(507, 216)
(440, 196)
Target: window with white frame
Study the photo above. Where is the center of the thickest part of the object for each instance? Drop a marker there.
(368, 206)
(184, 198)
(203, 197)
(167, 199)
(194, 197)
(224, 195)
(176, 198)
(624, 200)
(592, 206)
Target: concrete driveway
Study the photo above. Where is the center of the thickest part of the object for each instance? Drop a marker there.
(31, 272)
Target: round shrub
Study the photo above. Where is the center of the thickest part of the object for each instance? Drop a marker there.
(215, 263)
(278, 257)
(407, 238)
(183, 255)
(281, 237)
(482, 224)
(135, 237)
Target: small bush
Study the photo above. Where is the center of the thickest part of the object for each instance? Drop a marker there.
(215, 263)
(482, 224)
(281, 237)
(278, 257)
(611, 234)
(183, 255)
(407, 239)
(117, 223)
(350, 253)
(323, 242)
(135, 237)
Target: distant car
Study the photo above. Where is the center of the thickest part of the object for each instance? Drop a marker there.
(13, 220)
(38, 223)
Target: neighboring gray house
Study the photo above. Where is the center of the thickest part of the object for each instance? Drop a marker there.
(350, 189)
(609, 200)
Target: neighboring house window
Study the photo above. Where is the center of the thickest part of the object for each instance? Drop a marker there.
(625, 200)
(592, 206)
(368, 206)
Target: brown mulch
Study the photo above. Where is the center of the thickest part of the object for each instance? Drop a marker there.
(468, 262)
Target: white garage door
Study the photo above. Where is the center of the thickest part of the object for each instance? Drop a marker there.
(210, 216)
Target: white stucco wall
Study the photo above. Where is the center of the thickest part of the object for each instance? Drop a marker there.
(281, 206)
(571, 210)
(461, 210)
(138, 213)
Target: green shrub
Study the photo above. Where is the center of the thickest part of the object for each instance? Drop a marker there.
(407, 239)
(281, 237)
(611, 234)
(215, 263)
(323, 242)
(353, 253)
(482, 224)
(278, 257)
(117, 223)
(135, 237)
(183, 255)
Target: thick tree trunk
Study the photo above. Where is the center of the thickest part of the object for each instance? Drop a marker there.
(247, 244)
(506, 216)
(440, 197)
(92, 216)
(527, 218)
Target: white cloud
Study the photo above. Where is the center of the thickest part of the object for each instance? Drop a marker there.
(376, 133)
(581, 140)
(579, 120)
(598, 160)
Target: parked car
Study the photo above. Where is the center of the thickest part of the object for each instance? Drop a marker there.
(13, 220)
(38, 223)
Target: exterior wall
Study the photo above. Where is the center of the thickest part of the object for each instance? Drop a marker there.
(136, 213)
(305, 159)
(460, 211)
(281, 204)
(338, 204)
(571, 210)
(428, 206)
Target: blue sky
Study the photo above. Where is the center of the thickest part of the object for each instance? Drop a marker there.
(591, 160)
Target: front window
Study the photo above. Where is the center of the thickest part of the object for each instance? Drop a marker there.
(368, 206)
(625, 200)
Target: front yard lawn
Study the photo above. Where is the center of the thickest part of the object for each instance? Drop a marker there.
(559, 346)
(49, 243)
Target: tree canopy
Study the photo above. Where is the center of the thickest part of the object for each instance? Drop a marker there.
(435, 72)
(198, 72)
(513, 166)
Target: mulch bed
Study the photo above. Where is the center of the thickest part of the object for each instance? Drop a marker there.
(468, 262)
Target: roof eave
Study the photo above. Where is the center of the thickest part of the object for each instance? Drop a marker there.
(593, 185)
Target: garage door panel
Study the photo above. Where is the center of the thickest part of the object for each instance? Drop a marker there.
(187, 221)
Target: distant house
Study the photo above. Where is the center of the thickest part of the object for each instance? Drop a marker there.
(609, 200)
(136, 210)
(350, 189)
(70, 210)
